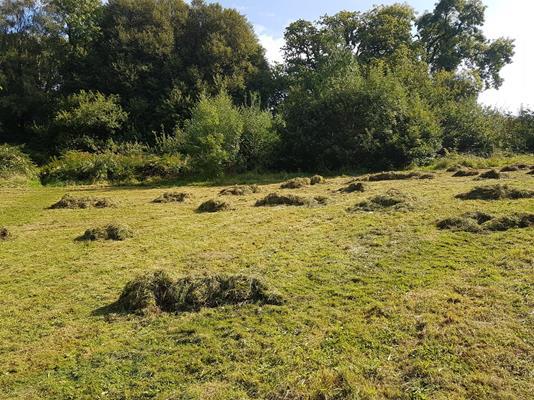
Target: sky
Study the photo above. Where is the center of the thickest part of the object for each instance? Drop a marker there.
(508, 18)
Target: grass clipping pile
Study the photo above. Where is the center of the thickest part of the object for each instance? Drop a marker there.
(479, 222)
(114, 232)
(392, 200)
(4, 234)
(213, 206)
(496, 192)
(296, 183)
(173, 197)
(275, 199)
(71, 202)
(240, 190)
(158, 292)
(395, 176)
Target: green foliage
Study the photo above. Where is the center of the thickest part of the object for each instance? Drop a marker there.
(90, 115)
(452, 37)
(466, 128)
(14, 163)
(353, 120)
(213, 134)
(83, 167)
(260, 138)
(522, 132)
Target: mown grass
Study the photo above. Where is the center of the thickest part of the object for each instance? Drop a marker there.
(378, 305)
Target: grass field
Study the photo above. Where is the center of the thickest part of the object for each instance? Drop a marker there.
(378, 305)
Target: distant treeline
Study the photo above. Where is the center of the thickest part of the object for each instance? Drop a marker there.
(84, 79)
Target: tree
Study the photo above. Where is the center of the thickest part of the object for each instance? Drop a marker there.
(452, 37)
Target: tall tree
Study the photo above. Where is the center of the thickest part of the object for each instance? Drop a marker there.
(452, 37)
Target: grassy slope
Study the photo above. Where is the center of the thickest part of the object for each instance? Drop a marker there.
(379, 305)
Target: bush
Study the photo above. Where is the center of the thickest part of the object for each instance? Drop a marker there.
(83, 167)
(259, 139)
(212, 136)
(468, 129)
(91, 115)
(14, 163)
(351, 121)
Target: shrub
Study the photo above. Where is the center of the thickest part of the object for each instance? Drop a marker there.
(259, 139)
(350, 120)
(89, 114)
(213, 134)
(467, 129)
(83, 167)
(14, 163)
(160, 292)
(109, 232)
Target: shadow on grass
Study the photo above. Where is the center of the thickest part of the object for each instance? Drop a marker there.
(110, 309)
(231, 180)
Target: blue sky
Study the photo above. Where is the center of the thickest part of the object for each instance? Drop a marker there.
(509, 18)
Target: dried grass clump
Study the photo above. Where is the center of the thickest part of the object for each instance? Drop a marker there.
(317, 180)
(514, 221)
(4, 233)
(240, 190)
(491, 174)
(71, 202)
(353, 187)
(110, 232)
(159, 292)
(510, 168)
(496, 192)
(296, 183)
(214, 205)
(468, 222)
(480, 222)
(393, 176)
(275, 199)
(466, 172)
(393, 200)
(173, 197)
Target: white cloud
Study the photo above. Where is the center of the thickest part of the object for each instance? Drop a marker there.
(512, 18)
(272, 45)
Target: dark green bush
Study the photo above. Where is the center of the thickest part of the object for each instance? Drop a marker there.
(353, 120)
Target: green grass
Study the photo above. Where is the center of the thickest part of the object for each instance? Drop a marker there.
(378, 305)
